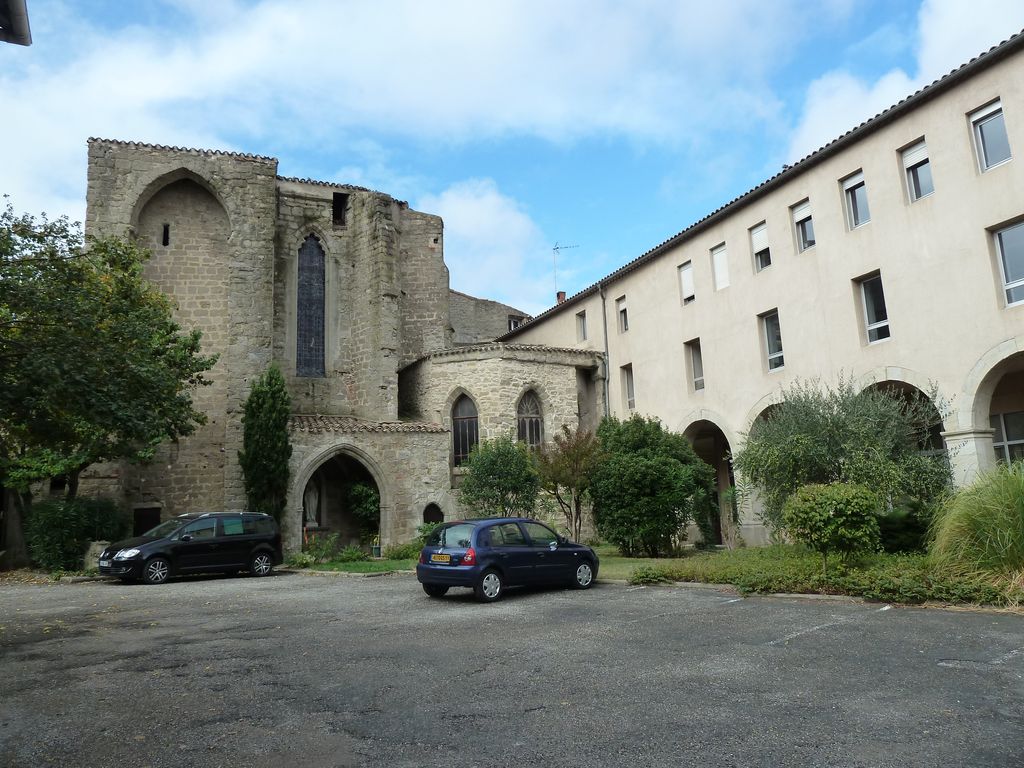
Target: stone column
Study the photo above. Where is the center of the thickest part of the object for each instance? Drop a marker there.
(970, 453)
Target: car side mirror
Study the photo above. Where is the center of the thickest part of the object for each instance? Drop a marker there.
(553, 546)
(187, 537)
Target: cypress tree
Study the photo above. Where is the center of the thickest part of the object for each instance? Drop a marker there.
(265, 446)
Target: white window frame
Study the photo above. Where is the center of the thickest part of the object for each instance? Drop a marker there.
(686, 287)
(581, 325)
(979, 118)
(772, 357)
(696, 365)
(759, 245)
(1002, 447)
(628, 390)
(720, 266)
(621, 314)
(879, 325)
(855, 218)
(801, 212)
(915, 157)
(1000, 257)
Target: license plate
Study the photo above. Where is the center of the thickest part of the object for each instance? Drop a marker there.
(440, 558)
(104, 563)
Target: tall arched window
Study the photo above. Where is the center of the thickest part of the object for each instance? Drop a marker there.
(530, 420)
(465, 428)
(309, 330)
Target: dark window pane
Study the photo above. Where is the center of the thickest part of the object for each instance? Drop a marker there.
(858, 197)
(309, 342)
(874, 301)
(1014, 425)
(920, 178)
(464, 428)
(1011, 250)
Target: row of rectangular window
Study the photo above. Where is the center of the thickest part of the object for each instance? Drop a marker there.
(992, 147)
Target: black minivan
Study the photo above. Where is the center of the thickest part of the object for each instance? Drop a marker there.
(211, 542)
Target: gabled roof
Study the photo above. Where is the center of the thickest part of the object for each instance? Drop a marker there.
(978, 64)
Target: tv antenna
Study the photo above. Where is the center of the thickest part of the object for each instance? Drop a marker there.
(554, 260)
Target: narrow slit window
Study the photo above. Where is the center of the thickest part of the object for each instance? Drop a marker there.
(339, 209)
(696, 365)
(627, 387)
(166, 237)
(622, 313)
(581, 326)
(309, 337)
(876, 318)
(773, 339)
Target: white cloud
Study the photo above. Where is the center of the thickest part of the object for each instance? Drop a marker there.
(295, 73)
(491, 245)
(950, 33)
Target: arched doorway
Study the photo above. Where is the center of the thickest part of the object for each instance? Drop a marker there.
(712, 446)
(999, 405)
(433, 514)
(341, 497)
(931, 426)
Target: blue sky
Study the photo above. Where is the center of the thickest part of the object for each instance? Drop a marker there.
(593, 123)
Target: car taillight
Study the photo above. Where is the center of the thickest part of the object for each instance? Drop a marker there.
(423, 556)
(470, 557)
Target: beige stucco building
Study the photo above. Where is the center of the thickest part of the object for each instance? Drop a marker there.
(893, 254)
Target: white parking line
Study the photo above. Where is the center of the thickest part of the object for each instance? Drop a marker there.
(793, 635)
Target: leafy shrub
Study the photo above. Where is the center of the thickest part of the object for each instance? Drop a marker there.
(408, 551)
(351, 555)
(647, 485)
(362, 500)
(651, 574)
(833, 518)
(301, 560)
(904, 528)
(59, 531)
(321, 547)
(981, 528)
(839, 434)
(501, 479)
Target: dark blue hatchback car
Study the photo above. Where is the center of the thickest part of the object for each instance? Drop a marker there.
(490, 554)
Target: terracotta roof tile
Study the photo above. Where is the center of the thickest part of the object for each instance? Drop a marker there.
(191, 150)
(317, 424)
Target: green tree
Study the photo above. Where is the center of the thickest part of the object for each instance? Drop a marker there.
(92, 365)
(565, 470)
(836, 434)
(501, 479)
(265, 445)
(647, 486)
(362, 501)
(833, 518)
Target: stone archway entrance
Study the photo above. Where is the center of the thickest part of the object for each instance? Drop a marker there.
(341, 497)
(712, 446)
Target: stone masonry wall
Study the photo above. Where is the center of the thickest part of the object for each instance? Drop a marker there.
(410, 469)
(221, 209)
(476, 321)
(423, 303)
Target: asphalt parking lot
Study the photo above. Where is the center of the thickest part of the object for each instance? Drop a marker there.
(299, 670)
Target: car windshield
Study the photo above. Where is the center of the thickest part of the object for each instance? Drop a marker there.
(457, 535)
(166, 528)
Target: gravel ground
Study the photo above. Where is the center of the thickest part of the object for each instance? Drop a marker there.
(298, 671)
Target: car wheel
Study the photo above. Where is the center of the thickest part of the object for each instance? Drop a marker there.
(261, 564)
(157, 571)
(584, 576)
(489, 587)
(435, 590)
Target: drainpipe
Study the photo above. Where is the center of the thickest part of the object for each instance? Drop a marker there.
(604, 325)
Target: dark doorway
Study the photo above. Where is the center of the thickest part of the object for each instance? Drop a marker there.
(433, 514)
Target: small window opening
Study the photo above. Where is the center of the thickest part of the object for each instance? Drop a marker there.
(340, 205)
(166, 239)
